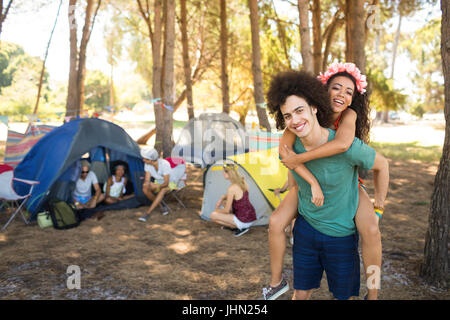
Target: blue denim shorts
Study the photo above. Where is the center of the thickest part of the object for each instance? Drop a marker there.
(314, 252)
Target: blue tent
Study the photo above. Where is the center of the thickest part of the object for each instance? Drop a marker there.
(54, 160)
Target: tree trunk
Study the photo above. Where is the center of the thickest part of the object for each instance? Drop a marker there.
(111, 88)
(186, 60)
(72, 90)
(305, 37)
(436, 256)
(317, 36)
(169, 84)
(329, 36)
(41, 78)
(283, 38)
(395, 45)
(224, 57)
(258, 90)
(77, 73)
(3, 14)
(355, 33)
(200, 69)
(155, 40)
(82, 54)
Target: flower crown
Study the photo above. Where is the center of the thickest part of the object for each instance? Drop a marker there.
(348, 67)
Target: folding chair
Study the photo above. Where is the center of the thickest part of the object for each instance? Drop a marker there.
(178, 174)
(7, 192)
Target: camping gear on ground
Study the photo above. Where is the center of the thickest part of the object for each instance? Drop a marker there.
(261, 169)
(210, 137)
(9, 194)
(44, 220)
(63, 214)
(54, 159)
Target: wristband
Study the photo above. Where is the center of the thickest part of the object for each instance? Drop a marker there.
(379, 212)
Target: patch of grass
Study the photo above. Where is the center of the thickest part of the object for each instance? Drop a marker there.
(408, 151)
(421, 203)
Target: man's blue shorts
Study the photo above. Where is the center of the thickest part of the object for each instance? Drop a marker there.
(313, 252)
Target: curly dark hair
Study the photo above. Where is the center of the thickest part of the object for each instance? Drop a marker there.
(360, 103)
(303, 85)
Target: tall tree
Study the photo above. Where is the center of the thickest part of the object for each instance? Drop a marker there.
(4, 13)
(186, 60)
(317, 36)
(41, 78)
(169, 79)
(305, 36)
(224, 57)
(435, 267)
(113, 45)
(206, 53)
(336, 22)
(154, 33)
(77, 67)
(355, 33)
(258, 90)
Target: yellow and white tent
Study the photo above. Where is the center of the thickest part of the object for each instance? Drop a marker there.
(262, 171)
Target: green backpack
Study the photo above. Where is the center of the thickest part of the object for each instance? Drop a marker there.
(63, 215)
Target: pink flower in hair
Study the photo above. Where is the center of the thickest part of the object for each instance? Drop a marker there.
(348, 67)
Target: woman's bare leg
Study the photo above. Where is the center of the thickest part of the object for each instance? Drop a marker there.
(367, 225)
(224, 219)
(279, 220)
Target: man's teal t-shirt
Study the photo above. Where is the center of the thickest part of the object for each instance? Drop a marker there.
(338, 178)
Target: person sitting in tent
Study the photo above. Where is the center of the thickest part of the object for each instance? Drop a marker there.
(157, 180)
(234, 209)
(115, 187)
(82, 195)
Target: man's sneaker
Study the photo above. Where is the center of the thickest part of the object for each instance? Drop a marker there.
(144, 218)
(228, 228)
(272, 293)
(240, 232)
(165, 212)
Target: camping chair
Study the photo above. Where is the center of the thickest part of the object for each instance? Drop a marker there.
(179, 173)
(7, 192)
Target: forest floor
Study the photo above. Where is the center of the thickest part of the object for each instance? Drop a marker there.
(181, 256)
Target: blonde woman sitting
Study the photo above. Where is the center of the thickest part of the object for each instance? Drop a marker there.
(234, 210)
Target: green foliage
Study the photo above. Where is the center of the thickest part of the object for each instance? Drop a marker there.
(423, 47)
(97, 90)
(417, 110)
(10, 57)
(22, 73)
(384, 96)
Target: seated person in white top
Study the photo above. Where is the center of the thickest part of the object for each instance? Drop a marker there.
(82, 195)
(114, 188)
(158, 169)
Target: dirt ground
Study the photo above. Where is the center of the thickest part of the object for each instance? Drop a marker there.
(180, 256)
